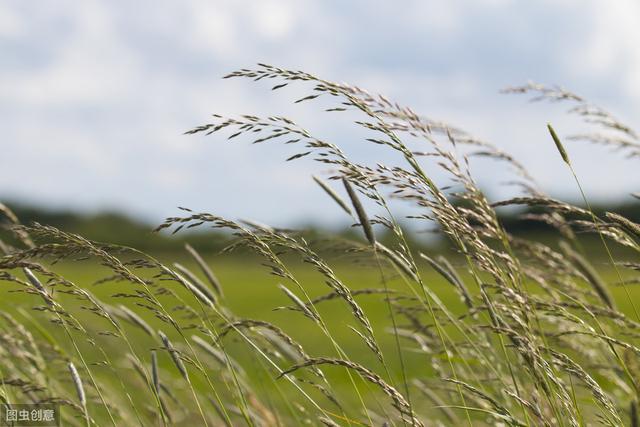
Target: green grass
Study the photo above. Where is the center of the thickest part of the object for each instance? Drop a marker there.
(252, 293)
(539, 340)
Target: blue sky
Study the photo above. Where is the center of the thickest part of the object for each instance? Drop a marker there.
(95, 96)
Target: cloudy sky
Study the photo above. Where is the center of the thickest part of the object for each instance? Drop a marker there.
(95, 95)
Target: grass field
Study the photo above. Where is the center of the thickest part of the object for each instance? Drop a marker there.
(508, 330)
(251, 292)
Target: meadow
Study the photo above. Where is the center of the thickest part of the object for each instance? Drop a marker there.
(277, 329)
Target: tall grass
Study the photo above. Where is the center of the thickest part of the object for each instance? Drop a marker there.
(536, 339)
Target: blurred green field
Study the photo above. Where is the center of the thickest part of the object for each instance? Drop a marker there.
(252, 293)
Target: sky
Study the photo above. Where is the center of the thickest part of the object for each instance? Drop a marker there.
(95, 95)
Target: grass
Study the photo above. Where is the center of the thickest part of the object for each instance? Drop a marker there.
(239, 280)
(508, 331)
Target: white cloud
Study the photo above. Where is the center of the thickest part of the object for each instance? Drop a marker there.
(104, 90)
(86, 66)
(12, 26)
(211, 26)
(612, 47)
(273, 19)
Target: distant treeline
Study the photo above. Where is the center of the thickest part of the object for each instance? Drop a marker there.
(117, 228)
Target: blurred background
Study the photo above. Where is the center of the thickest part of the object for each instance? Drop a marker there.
(95, 96)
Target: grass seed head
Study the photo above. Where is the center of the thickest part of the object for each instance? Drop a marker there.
(559, 146)
(77, 382)
(362, 214)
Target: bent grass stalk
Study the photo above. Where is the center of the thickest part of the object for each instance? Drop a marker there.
(565, 157)
(595, 220)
